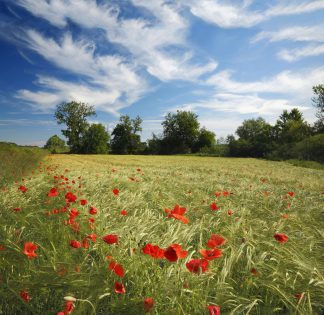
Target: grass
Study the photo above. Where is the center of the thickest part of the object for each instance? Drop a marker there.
(307, 164)
(16, 161)
(259, 199)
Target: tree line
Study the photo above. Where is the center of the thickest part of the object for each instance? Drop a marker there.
(290, 137)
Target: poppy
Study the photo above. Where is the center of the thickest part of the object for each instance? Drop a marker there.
(119, 287)
(93, 210)
(83, 202)
(53, 192)
(148, 304)
(254, 271)
(2, 247)
(111, 238)
(85, 243)
(138, 170)
(174, 252)
(213, 309)
(69, 307)
(197, 265)
(285, 216)
(70, 197)
(214, 207)
(123, 212)
(211, 254)
(215, 241)
(115, 191)
(117, 269)
(153, 250)
(217, 194)
(25, 296)
(230, 212)
(22, 188)
(281, 237)
(177, 213)
(29, 250)
(92, 237)
(17, 209)
(299, 296)
(291, 194)
(75, 244)
(225, 193)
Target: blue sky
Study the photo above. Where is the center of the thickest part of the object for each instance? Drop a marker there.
(225, 60)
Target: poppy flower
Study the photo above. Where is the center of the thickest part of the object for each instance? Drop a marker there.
(53, 192)
(281, 237)
(299, 296)
(29, 250)
(69, 307)
(230, 212)
(174, 252)
(197, 265)
(110, 238)
(70, 197)
(285, 216)
(213, 309)
(117, 269)
(225, 193)
(123, 212)
(22, 188)
(119, 288)
(291, 194)
(217, 194)
(211, 254)
(254, 271)
(2, 247)
(153, 250)
(138, 170)
(25, 296)
(215, 241)
(17, 209)
(214, 207)
(148, 304)
(93, 210)
(115, 191)
(75, 244)
(177, 213)
(85, 243)
(92, 237)
(83, 202)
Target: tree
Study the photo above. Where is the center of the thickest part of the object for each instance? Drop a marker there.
(180, 131)
(125, 138)
(206, 140)
(55, 145)
(95, 140)
(318, 102)
(74, 116)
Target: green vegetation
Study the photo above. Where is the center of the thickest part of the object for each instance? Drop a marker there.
(56, 145)
(17, 161)
(256, 274)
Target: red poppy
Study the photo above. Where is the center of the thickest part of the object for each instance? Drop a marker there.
(2, 247)
(85, 243)
(215, 241)
(285, 216)
(22, 188)
(254, 271)
(177, 213)
(70, 197)
(115, 191)
(123, 212)
(299, 296)
(117, 269)
(230, 212)
(29, 250)
(213, 309)
(83, 202)
(174, 252)
(119, 287)
(281, 237)
(75, 244)
(17, 209)
(138, 170)
(291, 194)
(92, 237)
(111, 238)
(214, 207)
(217, 194)
(25, 296)
(211, 254)
(197, 265)
(225, 193)
(153, 250)
(93, 210)
(69, 307)
(148, 304)
(53, 192)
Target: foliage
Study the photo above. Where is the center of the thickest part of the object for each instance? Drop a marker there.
(311, 148)
(74, 116)
(95, 140)
(255, 274)
(206, 139)
(318, 101)
(56, 145)
(125, 138)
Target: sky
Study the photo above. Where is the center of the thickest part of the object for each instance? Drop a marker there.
(225, 60)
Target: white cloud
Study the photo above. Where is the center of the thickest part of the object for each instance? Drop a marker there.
(299, 53)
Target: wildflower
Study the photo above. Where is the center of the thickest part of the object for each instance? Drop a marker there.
(153, 250)
(254, 272)
(115, 191)
(197, 265)
(213, 309)
(214, 207)
(230, 212)
(211, 254)
(215, 241)
(22, 188)
(93, 210)
(53, 192)
(148, 304)
(177, 213)
(281, 237)
(111, 238)
(117, 269)
(75, 244)
(119, 288)
(83, 202)
(174, 252)
(25, 296)
(123, 212)
(70, 197)
(29, 250)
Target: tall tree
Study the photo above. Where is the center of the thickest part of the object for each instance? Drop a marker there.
(318, 101)
(74, 116)
(206, 139)
(55, 145)
(95, 140)
(125, 138)
(180, 131)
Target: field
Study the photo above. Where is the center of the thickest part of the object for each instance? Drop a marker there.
(267, 257)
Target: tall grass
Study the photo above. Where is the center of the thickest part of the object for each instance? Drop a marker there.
(259, 199)
(16, 161)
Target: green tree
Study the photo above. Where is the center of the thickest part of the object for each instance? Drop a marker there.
(206, 139)
(55, 145)
(318, 101)
(74, 116)
(125, 138)
(180, 132)
(95, 140)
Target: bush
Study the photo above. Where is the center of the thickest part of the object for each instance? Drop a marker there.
(311, 149)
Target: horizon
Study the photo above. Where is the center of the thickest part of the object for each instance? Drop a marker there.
(227, 61)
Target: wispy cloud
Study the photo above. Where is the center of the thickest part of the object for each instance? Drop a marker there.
(300, 53)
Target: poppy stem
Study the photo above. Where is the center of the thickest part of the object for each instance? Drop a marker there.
(93, 308)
